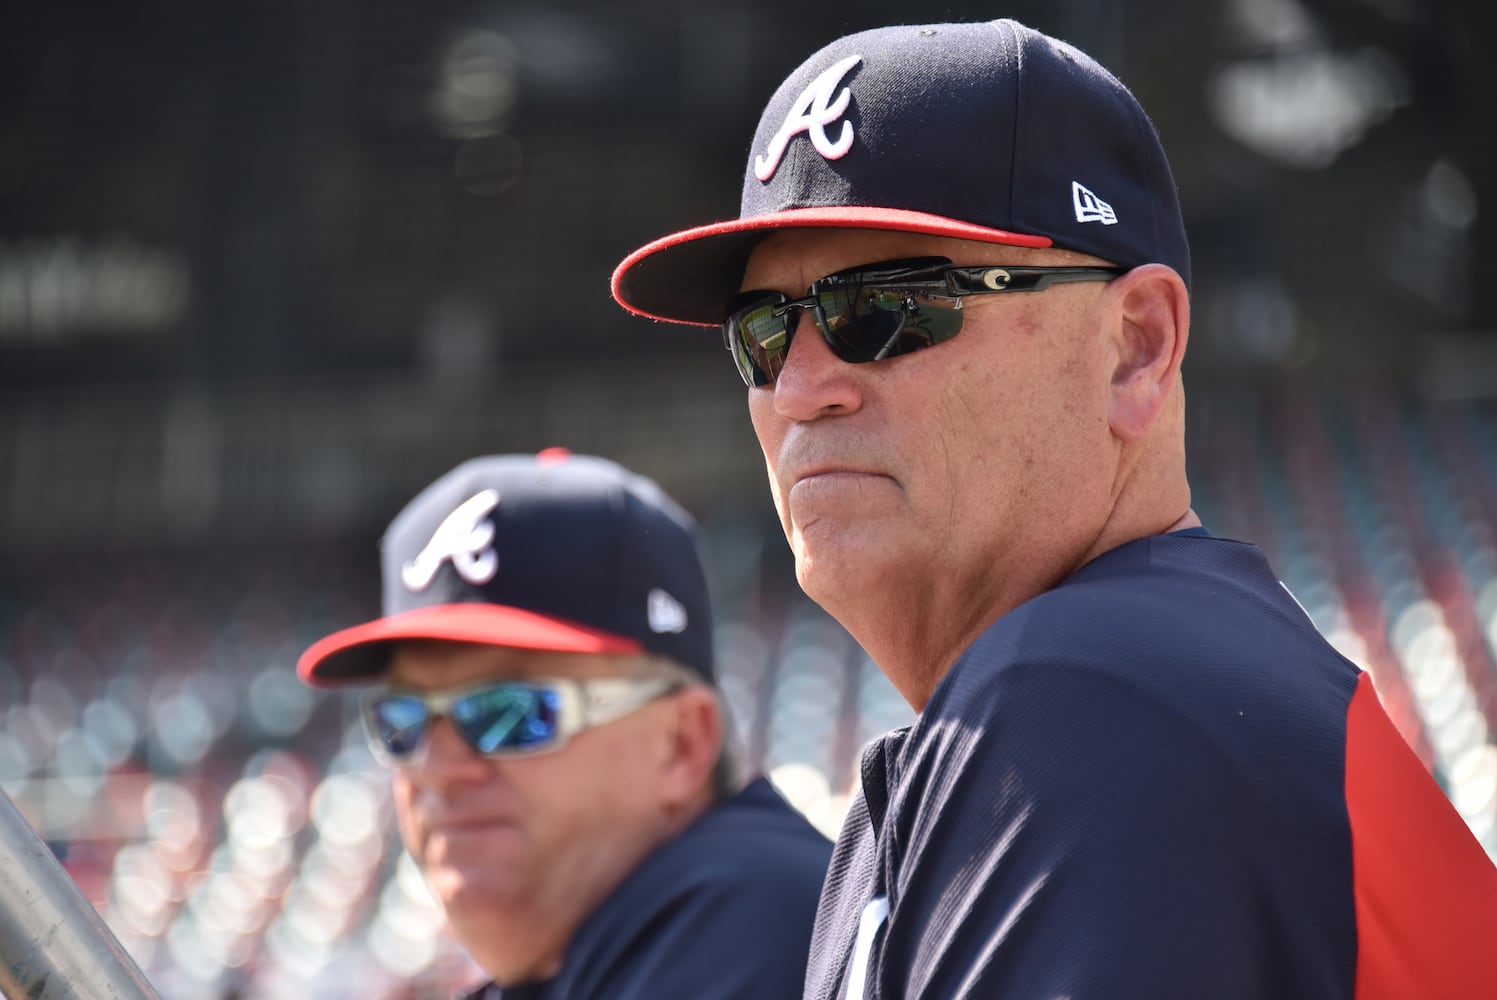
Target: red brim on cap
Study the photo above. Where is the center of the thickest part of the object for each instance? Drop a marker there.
(363, 651)
(689, 276)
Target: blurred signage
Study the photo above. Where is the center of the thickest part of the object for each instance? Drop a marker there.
(68, 288)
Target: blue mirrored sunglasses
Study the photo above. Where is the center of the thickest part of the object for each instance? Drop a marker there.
(876, 311)
(503, 719)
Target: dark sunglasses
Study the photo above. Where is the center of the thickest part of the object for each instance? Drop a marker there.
(876, 311)
(506, 719)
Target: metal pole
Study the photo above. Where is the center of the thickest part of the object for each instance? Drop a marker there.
(53, 943)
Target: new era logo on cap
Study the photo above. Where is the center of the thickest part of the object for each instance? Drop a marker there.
(664, 613)
(1090, 208)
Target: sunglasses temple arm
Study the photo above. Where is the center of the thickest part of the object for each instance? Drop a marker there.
(604, 704)
(1044, 281)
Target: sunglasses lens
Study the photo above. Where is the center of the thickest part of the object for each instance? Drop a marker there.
(495, 721)
(509, 718)
(862, 322)
(759, 338)
(874, 322)
(396, 724)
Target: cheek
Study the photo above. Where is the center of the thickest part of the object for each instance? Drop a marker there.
(770, 430)
(402, 797)
(767, 426)
(602, 777)
(991, 436)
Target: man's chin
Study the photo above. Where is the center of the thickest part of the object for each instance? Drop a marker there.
(477, 849)
(477, 890)
(829, 554)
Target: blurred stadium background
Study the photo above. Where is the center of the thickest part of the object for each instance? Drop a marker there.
(268, 269)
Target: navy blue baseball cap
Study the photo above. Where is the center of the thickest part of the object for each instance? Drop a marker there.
(990, 131)
(555, 551)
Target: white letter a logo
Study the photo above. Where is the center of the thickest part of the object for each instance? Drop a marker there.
(811, 113)
(465, 537)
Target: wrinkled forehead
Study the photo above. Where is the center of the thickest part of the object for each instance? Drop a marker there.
(790, 259)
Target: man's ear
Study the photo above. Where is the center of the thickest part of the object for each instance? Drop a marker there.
(696, 740)
(1151, 324)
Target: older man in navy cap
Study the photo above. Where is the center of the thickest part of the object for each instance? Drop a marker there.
(543, 692)
(958, 293)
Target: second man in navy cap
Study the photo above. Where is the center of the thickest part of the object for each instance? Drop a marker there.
(543, 690)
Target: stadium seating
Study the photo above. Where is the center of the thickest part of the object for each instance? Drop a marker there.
(231, 827)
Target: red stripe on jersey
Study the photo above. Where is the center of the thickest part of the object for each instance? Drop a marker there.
(1425, 890)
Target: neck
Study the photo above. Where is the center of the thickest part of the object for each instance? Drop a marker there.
(916, 641)
(519, 943)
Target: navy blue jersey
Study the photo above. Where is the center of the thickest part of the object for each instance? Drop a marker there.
(721, 912)
(1158, 781)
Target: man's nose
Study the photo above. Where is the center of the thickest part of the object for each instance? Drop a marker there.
(447, 758)
(814, 382)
